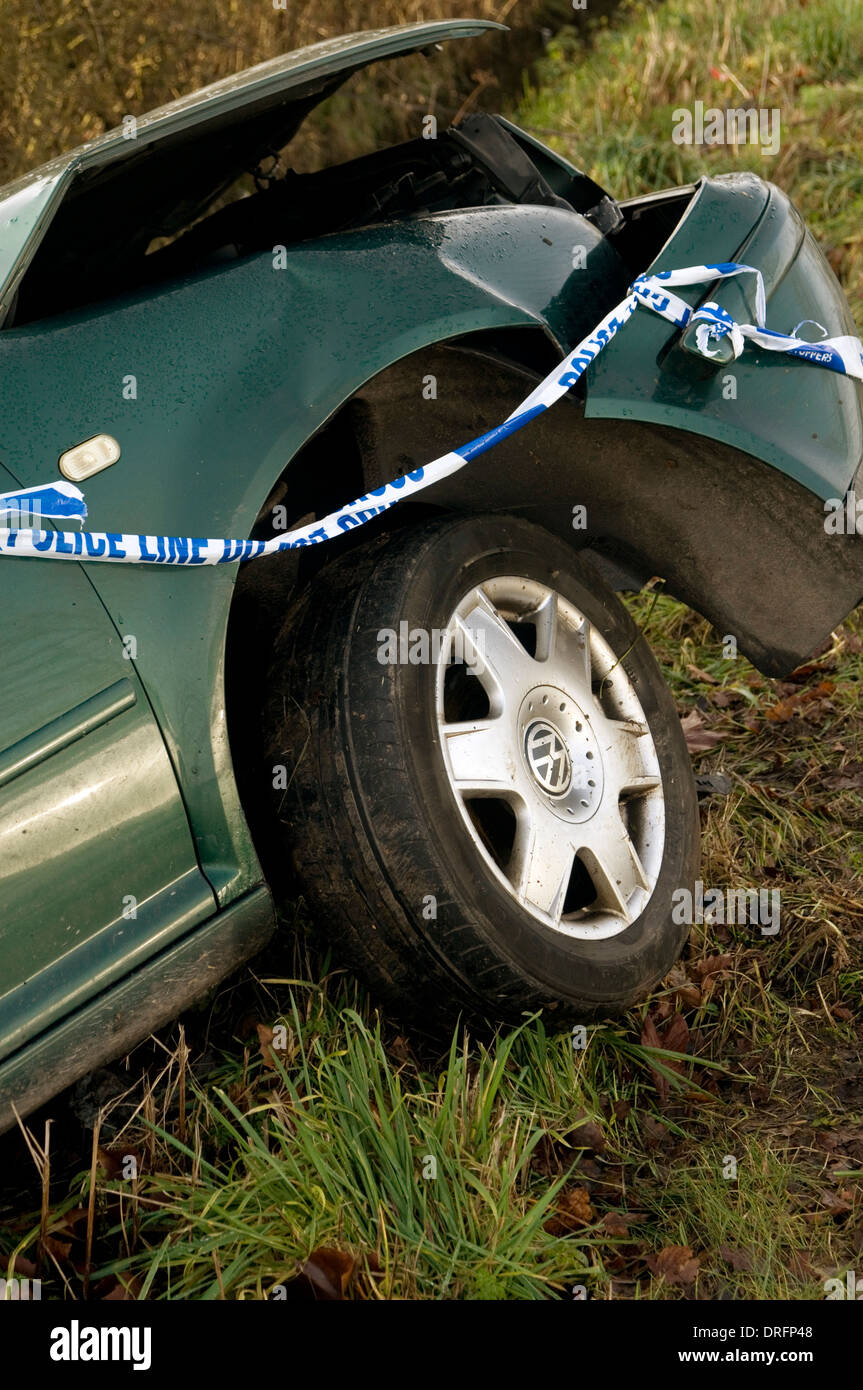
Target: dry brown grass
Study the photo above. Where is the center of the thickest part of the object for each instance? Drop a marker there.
(71, 69)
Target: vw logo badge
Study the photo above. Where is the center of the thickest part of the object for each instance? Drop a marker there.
(547, 757)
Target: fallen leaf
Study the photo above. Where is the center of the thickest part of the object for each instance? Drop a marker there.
(571, 1211)
(724, 699)
(113, 1163)
(676, 1264)
(801, 674)
(650, 1038)
(400, 1048)
(783, 710)
(266, 1035)
(123, 1293)
(587, 1136)
(685, 989)
(836, 1203)
(698, 738)
(848, 778)
(328, 1274)
(654, 1131)
(674, 1037)
(615, 1223)
(710, 965)
(738, 1259)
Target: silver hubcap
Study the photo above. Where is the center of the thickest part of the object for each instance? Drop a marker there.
(550, 758)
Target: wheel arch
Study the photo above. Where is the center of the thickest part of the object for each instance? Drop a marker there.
(723, 528)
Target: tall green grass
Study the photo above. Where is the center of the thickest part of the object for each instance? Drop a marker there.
(610, 105)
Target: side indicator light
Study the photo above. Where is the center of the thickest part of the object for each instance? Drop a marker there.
(88, 458)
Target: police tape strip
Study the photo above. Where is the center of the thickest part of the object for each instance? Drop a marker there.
(64, 501)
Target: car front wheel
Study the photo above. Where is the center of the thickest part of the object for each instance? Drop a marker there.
(488, 801)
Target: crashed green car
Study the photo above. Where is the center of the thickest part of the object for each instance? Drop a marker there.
(441, 727)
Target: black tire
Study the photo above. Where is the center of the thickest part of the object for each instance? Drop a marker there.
(369, 819)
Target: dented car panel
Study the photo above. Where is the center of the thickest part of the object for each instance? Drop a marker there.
(199, 461)
(816, 437)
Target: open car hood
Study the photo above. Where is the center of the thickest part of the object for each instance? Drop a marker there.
(199, 145)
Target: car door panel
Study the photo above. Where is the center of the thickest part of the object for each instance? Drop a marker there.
(97, 862)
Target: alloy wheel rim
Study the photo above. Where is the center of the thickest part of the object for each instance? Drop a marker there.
(550, 758)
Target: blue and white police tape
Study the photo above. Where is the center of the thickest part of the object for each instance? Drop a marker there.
(843, 354)
(63, 501)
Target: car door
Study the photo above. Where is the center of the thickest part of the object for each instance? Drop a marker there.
(97, 864)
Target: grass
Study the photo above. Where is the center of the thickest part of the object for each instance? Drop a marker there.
(611, 109)
(72, 69)
(337, 1158)
(708, 1145)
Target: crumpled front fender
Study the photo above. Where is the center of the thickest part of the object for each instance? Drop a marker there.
(213, 384)
(806, 422)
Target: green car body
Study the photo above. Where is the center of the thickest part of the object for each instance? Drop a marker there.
(130, 882)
